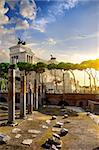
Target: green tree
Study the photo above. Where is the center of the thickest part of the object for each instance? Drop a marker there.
(4, 70)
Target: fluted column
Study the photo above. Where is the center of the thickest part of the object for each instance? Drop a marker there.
(23, 97)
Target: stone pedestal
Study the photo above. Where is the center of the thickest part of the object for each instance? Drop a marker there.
(11, 96)
(23, 97)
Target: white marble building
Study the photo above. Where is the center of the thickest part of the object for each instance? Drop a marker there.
(21, 53)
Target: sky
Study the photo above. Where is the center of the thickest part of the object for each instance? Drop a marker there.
(66, 29)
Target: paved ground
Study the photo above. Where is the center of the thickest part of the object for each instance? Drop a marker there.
(83, 132)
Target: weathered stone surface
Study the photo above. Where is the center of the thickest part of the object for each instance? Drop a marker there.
(4, 138)
(27, 142)
(63, 132)
(65, 116)
(59, 146)
(67, 121)
(54, 147)
(55, 129)
(58, 125)
(30, 119)
(48, 121)
(13, 124)
(95, 118)
(18, 136)
(44, 127)
(16, 130)
(88, 113)
(52, 141)
(56, 135)
(34, 131)
(54, 117)
(46, 145)
(34, 136)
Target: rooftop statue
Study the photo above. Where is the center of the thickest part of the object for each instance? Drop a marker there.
(52, 57)
(21, 42)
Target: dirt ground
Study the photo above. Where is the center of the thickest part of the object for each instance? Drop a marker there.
(83, 132)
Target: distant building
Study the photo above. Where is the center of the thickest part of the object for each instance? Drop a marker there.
(21, 53)
(54, 78)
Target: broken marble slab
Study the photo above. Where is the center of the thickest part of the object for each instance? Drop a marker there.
(33, 131)
(63, 132)
(54, 117)
(58, 124)
(56, 129)
(30, 119)
(34, 136)
(54, 147)
(18, 136)
(65, 116)
(56, 136)
(44, 127)
(48, 121)
(27, 142)
(4, 138)
(16, 130)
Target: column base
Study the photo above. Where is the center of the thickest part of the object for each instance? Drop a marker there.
(23, 117)
(12, 123)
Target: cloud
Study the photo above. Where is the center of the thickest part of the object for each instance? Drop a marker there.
(76, 57)
(78, 37)
(7, 39)
(4, 56)
(51, 41)
(28, 9)
(39, 24)
(19, 23)
(20, 18)
(3, 18)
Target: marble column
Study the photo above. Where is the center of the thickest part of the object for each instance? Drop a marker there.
(37, 87)
(30, 99)
(11, 96)
(23, 97)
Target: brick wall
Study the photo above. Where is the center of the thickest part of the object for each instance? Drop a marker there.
(70, 99)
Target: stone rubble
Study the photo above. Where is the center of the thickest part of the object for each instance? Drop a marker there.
(95, 118)
(55, 129)
(54, 117)
(56, 136)
(65, 116)
(34, 136)
(63, 132)
(48, 122)
(16, 130)
(54, 147)
(44, 127)
(34, 131)
(27, 142)
(30, 119)
(4, 138)
(58, 125)
(18, 136)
